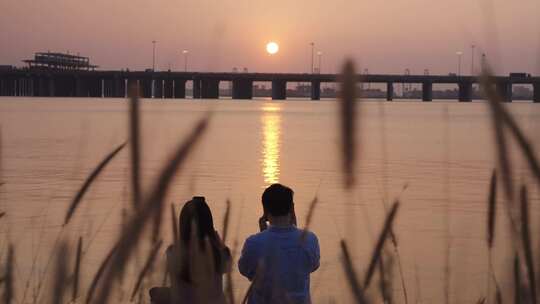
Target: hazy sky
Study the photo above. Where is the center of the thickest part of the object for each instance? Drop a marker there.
(385, 36)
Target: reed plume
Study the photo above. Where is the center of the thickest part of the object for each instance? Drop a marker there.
(500, 137)
(135, 145)
(8, 276)
(385, 278)
(147, 266)
(151, 207)
(229, 289)
(226, 221)
(380, 243)
(348, 121)
(174, 225)
(89, 180)
(517, 280)
(309, 216)
(508, 120)
(352, 277)
(256, 280)
(492, 209)
(77, 271)
(99, 274)
(60, 275)
(526, 239)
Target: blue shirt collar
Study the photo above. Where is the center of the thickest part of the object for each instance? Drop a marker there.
(281, 229)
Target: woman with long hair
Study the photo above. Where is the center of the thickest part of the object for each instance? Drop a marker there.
(197, 260)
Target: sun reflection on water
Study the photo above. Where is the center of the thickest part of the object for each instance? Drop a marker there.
(271, 129)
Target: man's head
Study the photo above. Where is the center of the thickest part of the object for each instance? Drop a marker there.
(277, 200)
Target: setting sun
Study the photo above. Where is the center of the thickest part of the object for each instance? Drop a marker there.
(272, 48)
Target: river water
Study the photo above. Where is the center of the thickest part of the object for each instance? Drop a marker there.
(435, 157)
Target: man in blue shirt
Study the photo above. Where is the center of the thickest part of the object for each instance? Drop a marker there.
(279, 259)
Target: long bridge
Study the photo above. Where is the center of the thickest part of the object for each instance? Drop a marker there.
(166, 84)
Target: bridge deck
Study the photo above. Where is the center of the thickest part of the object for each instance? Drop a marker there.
(289, 77)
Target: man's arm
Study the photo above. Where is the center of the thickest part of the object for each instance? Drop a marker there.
(247, 264)
(314, 252)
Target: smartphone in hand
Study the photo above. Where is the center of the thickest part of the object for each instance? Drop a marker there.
(263, 222)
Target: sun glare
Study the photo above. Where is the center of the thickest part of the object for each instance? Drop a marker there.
(272, 48)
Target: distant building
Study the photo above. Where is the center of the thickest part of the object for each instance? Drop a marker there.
(519, 75)
(6, 67)
(522, 92)
(59, 61)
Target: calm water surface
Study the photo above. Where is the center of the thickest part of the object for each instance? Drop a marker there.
(435, 157)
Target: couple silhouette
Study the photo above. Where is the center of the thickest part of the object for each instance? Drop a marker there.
(277, 261)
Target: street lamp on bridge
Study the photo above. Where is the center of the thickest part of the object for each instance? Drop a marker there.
(185, 52)
(319, 54)
(472, 59)
(405, 87)
(366, 72)
(459, 54)
(312, 53)
(153, 55)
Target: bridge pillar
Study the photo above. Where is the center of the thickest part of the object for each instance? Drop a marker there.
(108, 87)
(64, 86)
(13, 85)
(209, 88)
(9, 86)
(242, 89)
(505, 90)
(119, 87)
(29, 86)
(94, 87)
(465, 91)
(35, 86)
(179, 88)
(536, 92)
(133, 84)
(17, 87)
(51, 89)
(279, 89)
(146, 87)
(389, 91)
(315, 90)
(43, 86)
(158, 88)
(23, 87)
(81, 89)
(20, 87)
(197, 89)
(427, 91)
(46, 86)
(168, 88)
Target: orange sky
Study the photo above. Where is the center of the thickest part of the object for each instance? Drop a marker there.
(385, 36)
